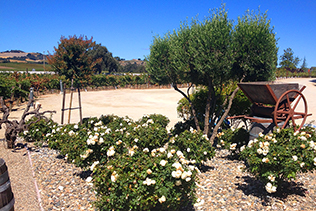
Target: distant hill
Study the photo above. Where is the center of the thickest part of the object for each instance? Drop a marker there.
(21, 56)
(133, 61)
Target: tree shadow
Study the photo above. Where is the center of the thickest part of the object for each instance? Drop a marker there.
(83, 174)
(255, 187)
(313, 81)
(204, 168)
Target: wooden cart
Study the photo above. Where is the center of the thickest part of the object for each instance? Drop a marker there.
(276, 103)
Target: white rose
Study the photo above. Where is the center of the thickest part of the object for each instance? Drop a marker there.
(176, 174)
(294, 157)
(163, 162)
(271, 178)
(162, 199)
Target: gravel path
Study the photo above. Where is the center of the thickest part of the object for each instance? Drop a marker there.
(20, 174)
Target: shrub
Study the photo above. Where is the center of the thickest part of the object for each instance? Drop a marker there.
(241, 105)
(233, 140)
(194, 145)
(135, 165)
(37, 130)
(183, 126)
(144, 180)
(278, 157)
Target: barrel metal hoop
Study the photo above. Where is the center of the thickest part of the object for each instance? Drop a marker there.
(5, 186)
(8, 206)
(4, 177)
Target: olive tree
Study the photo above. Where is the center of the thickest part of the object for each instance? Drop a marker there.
(199, 53)
(214, 54)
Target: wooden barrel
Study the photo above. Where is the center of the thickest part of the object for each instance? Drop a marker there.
(6, 195)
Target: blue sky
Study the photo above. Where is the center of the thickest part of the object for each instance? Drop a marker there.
(127, 28)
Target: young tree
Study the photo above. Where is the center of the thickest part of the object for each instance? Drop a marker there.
(200, 54)
(72, 59)
(207, 54)
(288, 59)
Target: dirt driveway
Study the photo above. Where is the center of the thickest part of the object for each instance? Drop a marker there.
(138, 102)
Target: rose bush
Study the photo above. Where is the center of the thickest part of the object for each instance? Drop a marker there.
(136, 165)
(278, 157)
(37, 129)
(232, 140)
(194, 145)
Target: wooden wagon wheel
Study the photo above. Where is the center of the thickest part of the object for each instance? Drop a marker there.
(285, 111)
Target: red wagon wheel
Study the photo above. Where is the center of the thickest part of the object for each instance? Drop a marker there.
(291, 106)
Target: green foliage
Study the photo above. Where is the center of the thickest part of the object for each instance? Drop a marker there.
(37, 129)
(131, 67)
(287, 59)
(5, 86)
(255, 48)
(16, 66)
(233, 140)
(159, 64)
(214, 54)
(72, 59)
(304, 65)
(194, 145)
(104, 61)
(41, 82)
(180, 127)
(286, 73)
(278, 157)
(241, 104)
(135, 165)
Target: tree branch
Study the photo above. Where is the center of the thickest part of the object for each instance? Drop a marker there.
(225, 113)
(191, 104)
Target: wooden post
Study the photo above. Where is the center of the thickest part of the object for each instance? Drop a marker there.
(80, 109)
(63, 106)
(71, 94)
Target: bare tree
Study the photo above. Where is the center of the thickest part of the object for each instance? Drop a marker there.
(14, 127)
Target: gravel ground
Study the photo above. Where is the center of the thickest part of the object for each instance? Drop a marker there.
(222, 185)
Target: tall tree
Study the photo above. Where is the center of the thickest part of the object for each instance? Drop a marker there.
(288, 59)
(71, 58)
(104, 59)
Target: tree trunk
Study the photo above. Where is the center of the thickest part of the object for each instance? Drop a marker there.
(210, 97)
(191, 105)
(11, 100)
(13, 128)
(223, 116)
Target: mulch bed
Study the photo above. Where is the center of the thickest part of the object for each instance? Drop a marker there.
(222, 186)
